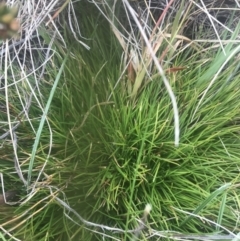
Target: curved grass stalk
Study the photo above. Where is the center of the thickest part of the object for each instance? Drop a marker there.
(155, 60)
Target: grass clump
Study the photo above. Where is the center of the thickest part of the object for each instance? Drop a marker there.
(102, 154)
(113, 156)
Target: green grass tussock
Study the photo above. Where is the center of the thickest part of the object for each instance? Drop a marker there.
(115, 156)
(93, 155)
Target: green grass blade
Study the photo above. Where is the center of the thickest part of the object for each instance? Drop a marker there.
(207, 201)
(221, 211)
(44, 116)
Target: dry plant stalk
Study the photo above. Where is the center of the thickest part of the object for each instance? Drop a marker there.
(138, 67)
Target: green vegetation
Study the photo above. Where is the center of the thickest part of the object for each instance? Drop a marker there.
(99, 154)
